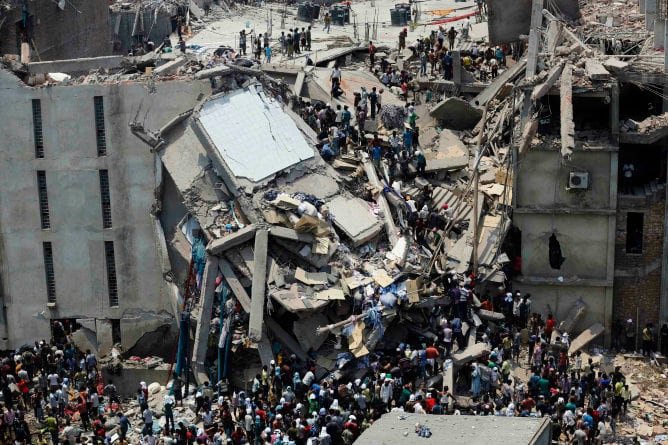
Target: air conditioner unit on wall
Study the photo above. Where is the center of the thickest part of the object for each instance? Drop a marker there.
(578, 180)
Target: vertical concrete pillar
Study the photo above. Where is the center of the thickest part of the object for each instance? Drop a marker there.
(641, 4)
(665, 53)
(456, 67)
(659, 33)
(650, 13)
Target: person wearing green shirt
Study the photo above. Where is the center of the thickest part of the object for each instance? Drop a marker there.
(52, 427)
(544, 385)
(412, 117)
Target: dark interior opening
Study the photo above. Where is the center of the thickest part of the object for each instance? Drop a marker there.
(115, 330)
(591, 113)
(634, 232)
(639, 103)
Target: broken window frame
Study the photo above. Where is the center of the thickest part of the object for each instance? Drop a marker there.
(37, 128)
(43, 197)
(112, 281)
(49, 272)
(100, 131)
(105, 199)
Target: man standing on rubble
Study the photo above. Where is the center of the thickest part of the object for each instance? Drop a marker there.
(242, 42)
(372, 56)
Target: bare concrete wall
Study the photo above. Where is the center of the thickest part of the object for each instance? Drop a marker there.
(80, 30)
(583, 239)
(510, 19)
(560, 299)
(71, 165)
(543, 180)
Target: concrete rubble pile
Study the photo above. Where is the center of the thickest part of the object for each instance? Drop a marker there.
(321, 261)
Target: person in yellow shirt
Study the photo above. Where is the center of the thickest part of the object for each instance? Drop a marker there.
(647, 337)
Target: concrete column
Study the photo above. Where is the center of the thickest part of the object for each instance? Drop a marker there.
(650, 12)
(456, 67)
(614, 113)
(641, 4)
(259, 285)
(659, 33)
(665, 53)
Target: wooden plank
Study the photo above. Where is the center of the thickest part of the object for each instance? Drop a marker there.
(259, 285)
(234, 283)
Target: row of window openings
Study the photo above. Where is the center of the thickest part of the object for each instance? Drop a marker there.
(43, 195)
(100, 132)
(110, 262)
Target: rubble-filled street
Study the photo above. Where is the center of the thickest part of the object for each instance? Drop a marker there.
(329, 223)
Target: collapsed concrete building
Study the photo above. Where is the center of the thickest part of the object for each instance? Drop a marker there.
(205, 200)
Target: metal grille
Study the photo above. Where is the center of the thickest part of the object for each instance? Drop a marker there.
(111, 272)
(49, 272)
(99, 126)
(662, 9)
(105, 198)
(43, 200)
(37, 128)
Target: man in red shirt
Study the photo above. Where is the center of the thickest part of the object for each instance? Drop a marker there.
(372, 55)
(429, 402)
(432, 354)
(549, 328)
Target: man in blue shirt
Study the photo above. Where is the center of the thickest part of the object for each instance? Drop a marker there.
(408, 140)
(376, 153)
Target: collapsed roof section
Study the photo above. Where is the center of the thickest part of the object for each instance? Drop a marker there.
(252, 134)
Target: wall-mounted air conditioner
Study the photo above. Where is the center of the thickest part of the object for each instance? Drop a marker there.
(578, 180)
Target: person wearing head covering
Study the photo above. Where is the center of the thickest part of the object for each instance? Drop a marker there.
(475, 380)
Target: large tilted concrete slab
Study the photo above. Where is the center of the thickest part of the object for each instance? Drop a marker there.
(264, 349)
(587, 336)
(76, 65)
(286, 339)
(456, 113)
(291, 234)
(203, 322)
(217, 246)
(234, 283)
(353, 217)
(259, 285)
(507, 76)
(452, 154)
(472, 352)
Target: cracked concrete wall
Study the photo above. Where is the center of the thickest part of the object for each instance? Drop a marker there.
(71, 165)
(80, 30)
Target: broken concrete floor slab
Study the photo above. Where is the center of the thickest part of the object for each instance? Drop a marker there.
(456, 113)
(354, 218)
